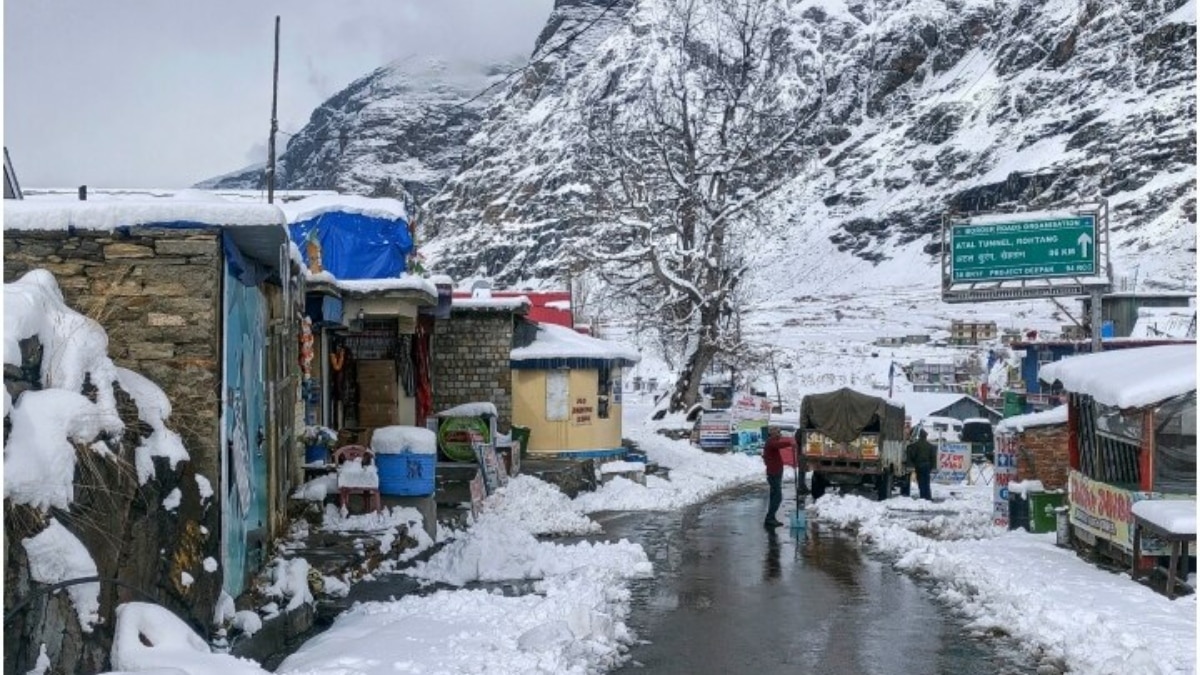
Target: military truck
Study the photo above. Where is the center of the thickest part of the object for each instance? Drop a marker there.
(851, 439)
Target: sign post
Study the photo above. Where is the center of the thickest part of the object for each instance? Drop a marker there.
(1028, 249)
(1026, 255)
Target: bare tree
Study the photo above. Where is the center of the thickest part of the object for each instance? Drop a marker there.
(716, 121)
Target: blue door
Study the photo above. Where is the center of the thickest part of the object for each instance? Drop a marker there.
(243, 434)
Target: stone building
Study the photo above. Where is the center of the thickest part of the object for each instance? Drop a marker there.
(197, 297)
(471, 353)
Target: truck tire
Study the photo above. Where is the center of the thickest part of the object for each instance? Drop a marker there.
(883, 485)
(818, 485)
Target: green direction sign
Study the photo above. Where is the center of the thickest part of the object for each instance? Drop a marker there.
(1062, 247)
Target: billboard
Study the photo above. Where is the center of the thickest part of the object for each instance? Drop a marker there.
(1025, 255)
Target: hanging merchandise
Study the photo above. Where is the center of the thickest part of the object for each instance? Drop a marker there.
(306, 348)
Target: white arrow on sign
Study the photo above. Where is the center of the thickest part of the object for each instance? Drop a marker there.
(1084, 241)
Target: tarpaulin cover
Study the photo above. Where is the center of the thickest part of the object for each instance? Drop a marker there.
(844, 414)
(356, 246)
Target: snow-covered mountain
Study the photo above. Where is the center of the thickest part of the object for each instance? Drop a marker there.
(398, 132)
(928, 107)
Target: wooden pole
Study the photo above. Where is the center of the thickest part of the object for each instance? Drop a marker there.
(274, 121)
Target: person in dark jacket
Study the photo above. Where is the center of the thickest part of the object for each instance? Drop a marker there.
(921, 455)
(773, 458)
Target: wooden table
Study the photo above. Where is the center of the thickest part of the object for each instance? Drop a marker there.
(1177, 540)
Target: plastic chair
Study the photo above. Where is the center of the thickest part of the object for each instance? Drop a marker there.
(357, 475)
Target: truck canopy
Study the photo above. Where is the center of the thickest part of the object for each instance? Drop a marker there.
(845, 414)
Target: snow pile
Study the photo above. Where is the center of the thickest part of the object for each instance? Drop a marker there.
(153, 408)
(540, 507)
(56, 555)
(477, 409)
(1172, 515)
(694, 476)
(496, 549)
(385, 524)
(397, 439)
(290, 581)
(1013, 582)
(573, 624)
(150, 638)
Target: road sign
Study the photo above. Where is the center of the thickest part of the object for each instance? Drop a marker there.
(1023, 249)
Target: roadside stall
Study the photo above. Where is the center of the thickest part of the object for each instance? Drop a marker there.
(567, 391)
(1131, 418)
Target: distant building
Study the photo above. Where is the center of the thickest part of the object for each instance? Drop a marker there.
(901, 340)
(1121, 309)
(1164, 322)
(971, 332)
(933, 374)
(1010, 335)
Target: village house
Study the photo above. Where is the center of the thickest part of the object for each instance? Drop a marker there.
(202, 298)
(964, 332)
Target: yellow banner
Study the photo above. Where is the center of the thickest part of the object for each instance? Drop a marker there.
(1101, 509)
(1107, 512)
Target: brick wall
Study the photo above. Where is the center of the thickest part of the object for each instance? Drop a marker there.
(157, 293)
(471, 352)
(1042, 455)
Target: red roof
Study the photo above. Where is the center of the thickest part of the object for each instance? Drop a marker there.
(559, 314)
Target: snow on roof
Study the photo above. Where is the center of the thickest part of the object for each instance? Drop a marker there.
(921, 404)
(559, 342)
(442, 279)
(1177, 516)
(108, 215)
(1127, 378)
(1019, 423)
(374, 285)
(1163, 322)
(372, 207)
(490, 303)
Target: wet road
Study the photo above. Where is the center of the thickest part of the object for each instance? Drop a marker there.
(729, 596)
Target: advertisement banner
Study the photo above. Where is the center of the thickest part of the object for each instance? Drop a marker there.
(954, 461)
(1106, 512)
(715, 427)
(1004, 472)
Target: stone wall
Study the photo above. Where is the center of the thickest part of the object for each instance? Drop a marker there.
(1042, 455)
(157, 293)
(471, 353)
(143, 550)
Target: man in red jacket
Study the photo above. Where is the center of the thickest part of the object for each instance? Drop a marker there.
(773, 458)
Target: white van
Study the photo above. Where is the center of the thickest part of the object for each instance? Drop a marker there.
(946, 429)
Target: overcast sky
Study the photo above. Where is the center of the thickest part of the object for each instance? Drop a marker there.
(162, 93)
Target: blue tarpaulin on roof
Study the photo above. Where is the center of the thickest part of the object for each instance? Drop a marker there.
(355, 246)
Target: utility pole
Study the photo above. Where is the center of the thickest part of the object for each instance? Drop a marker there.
(274, 121)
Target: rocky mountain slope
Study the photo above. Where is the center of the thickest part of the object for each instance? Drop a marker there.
(398, 132)
(928, 107)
